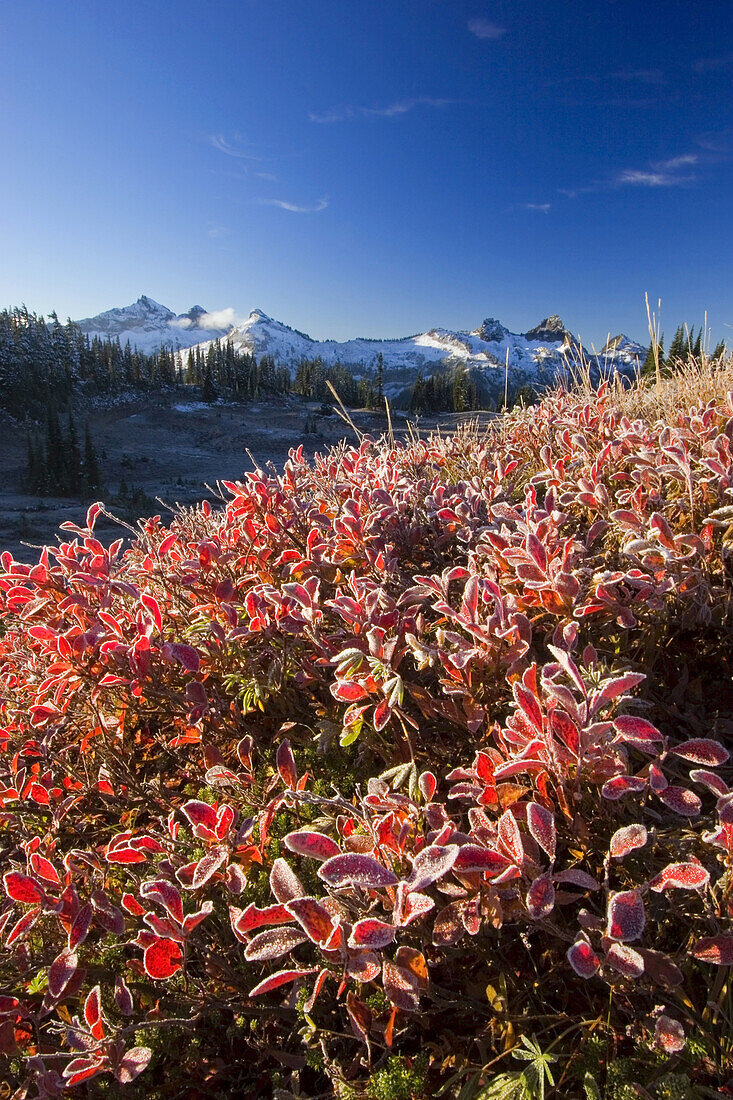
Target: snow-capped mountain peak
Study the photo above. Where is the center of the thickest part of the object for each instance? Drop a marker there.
(148, 325)
(534, 358)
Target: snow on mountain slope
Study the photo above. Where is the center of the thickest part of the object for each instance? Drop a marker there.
(534, 358)
(148, 325)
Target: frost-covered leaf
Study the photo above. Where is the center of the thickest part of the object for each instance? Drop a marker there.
(284, 883)
(626, 916)
(353, 869)
(472, 857)
(162, 958)
(683, 802)
(371, 932)
(208, 865)
(626, 840)
(20, 887)
(583, 958)
(700, 750)
(541, 824)
(573, 876)
(638, 733)
(312, 844)
(133, 1063)
(510, 838)
(313, 917)
(273, 943)
(621, 785)
(670, 1034)
(624, 959)
(282, 977)
(541, 897)
(400, 986)
(715, 949)
(431, 864)
(680, 876)
(61, 971)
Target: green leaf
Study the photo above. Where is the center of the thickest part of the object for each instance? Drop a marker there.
(592, 1090)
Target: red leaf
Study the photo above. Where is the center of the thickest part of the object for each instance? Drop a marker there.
(510, 837)
(637, 732)
(471, 857)
(162, 958)
(410, 905)
(80, 926)
(626, 916)
(252, 917)
(349, 691)
(448, 927)
(281, 978)
(200, 813)
(356, 870)
(683, 802)
(93, 1012)
(44, 869)
(360, 1016)
(166, 894)
(313, 917)
(152, 606)
(125, 855)
(715, 949)
(400, 986)
(21, 888)
(431, 864)
(541, 897)
(680, 876)
(621, 785)
(273, 943)
(23, 925)
(575, 877)
(61, 971)
(702, 751)
(185, 655)
(123, 997)
(541, 824)
(363, 967)
(710, 780)
(427, 784)
(626, 840)
(315, 845)
(82, 1069)
(286, 765)
(624, 959)
(583, 958)
(208, 866)
(372, 933)
(284, 883)
(670, 1034)
(133, 1062)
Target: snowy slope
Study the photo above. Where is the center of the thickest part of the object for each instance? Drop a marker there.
(534, 358)
(148, 325)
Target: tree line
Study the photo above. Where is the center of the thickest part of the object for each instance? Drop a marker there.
(685, 346)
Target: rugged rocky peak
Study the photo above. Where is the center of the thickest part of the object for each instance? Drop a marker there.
(551, 329)
(492, 331)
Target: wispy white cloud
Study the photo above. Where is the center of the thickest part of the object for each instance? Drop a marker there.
(662, 173)
(232, 149)
(296, 208)
(540, 207)
(336, 114)
(484, 28)
(269, 176)
(389, 110)
(217, 231)
(402, 106)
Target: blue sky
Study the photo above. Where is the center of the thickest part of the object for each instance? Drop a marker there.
(371, 167)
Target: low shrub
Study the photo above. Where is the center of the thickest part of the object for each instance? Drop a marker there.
(403, 773)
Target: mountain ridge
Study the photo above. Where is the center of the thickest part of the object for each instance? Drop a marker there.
(535, 358)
